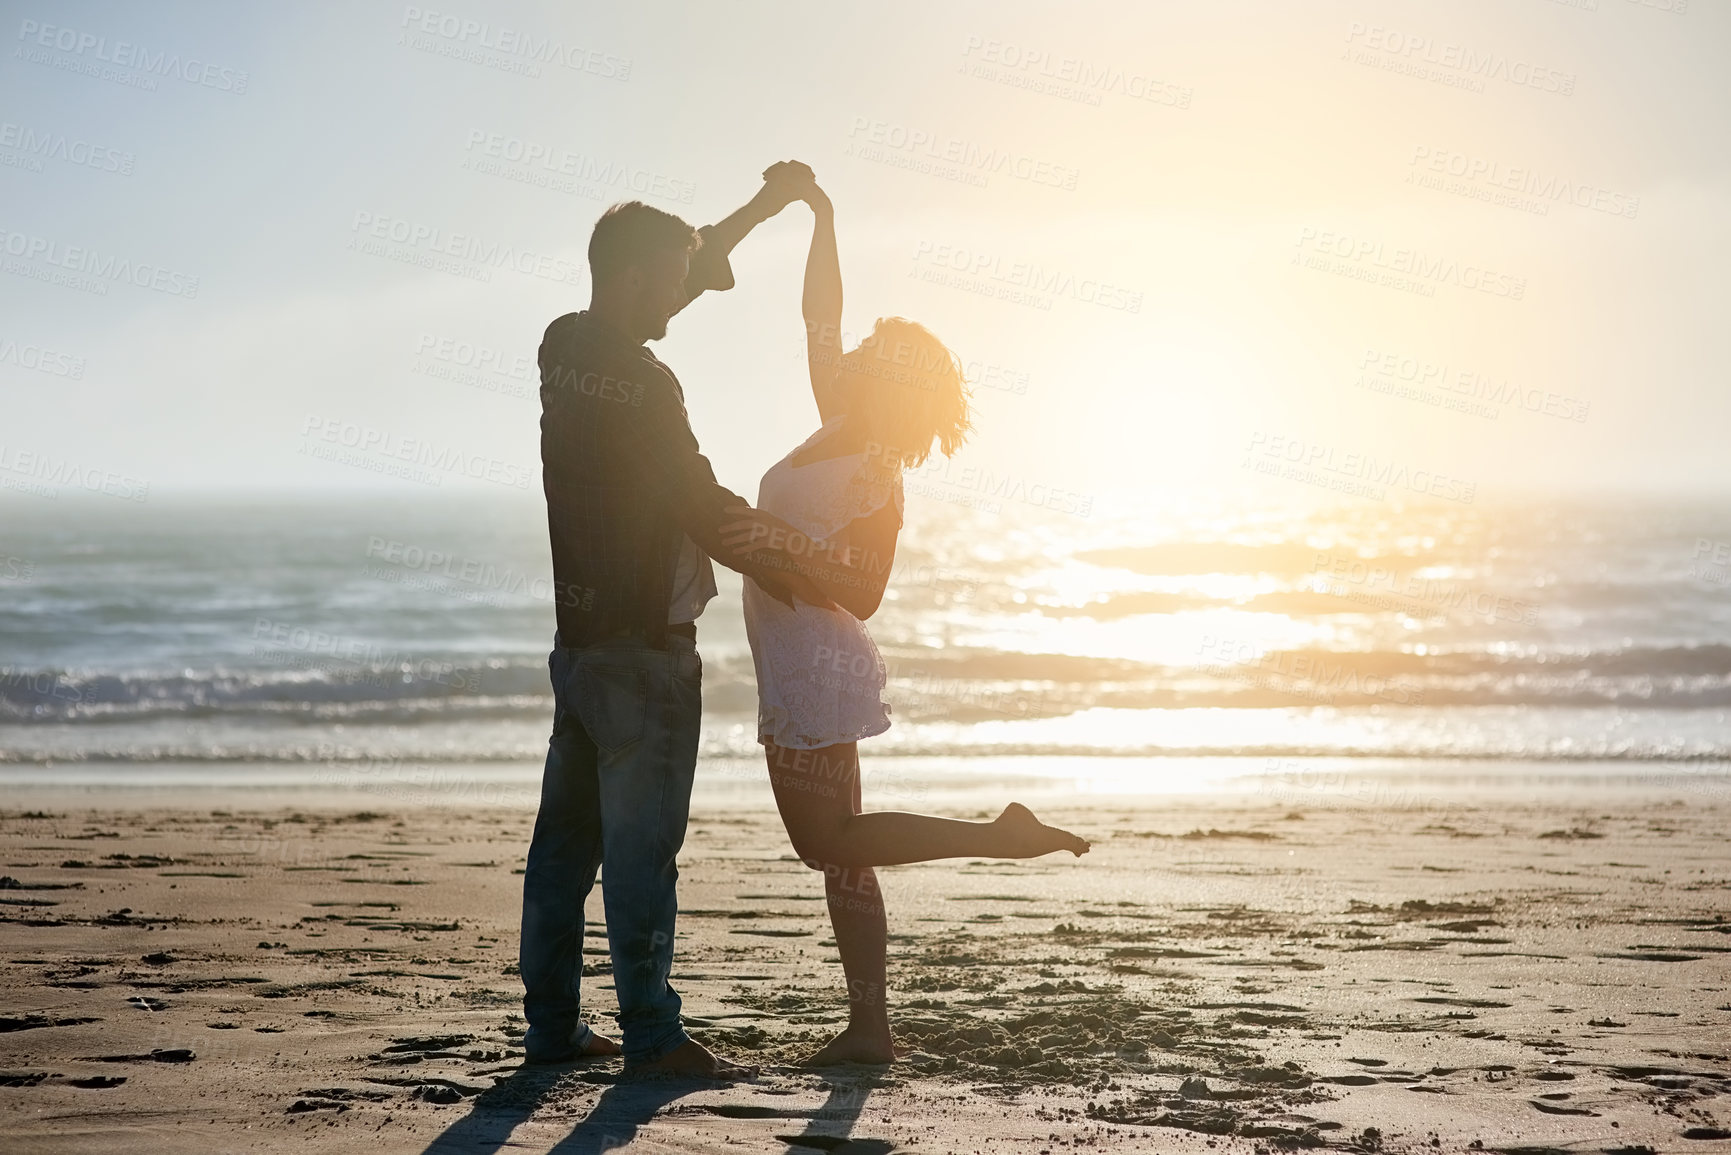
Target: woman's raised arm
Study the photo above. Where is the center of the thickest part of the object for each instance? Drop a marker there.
(821, 304)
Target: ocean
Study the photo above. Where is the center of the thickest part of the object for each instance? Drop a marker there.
(361, 630)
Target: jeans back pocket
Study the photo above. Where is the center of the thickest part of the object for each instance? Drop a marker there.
(613, 702)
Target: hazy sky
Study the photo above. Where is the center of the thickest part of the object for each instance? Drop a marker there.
(315, 245)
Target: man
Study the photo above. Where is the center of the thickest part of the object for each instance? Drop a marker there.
(634, 512)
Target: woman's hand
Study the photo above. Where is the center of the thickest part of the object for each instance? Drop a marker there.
(814, 196)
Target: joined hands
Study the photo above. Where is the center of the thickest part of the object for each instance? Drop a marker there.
(787, 181)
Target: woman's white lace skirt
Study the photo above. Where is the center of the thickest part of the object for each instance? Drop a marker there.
(820, 679)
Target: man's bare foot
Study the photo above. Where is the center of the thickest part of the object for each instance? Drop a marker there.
(856, 1045)
(598, 1046)
(692, 1060)
(1028, 837)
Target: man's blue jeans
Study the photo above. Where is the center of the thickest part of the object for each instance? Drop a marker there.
(615, 794)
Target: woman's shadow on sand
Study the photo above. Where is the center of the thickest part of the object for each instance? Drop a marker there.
(627, 1105)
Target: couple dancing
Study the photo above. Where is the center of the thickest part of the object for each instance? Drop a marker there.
(635, 515)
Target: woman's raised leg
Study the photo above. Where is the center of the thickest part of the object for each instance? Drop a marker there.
(818, 794)
(809, 783)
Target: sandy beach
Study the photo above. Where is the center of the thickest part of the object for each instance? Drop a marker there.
(1297, 965)
(1272, 441)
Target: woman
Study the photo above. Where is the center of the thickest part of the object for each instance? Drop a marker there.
(819, 676)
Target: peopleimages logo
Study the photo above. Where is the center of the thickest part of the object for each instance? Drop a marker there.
(1031, 279)
(301, 647)
(490, 578)
(1393, 588)
(87, 47)
(39, 469)
(363, 446)
(39, 146)
(942, 478)
(476, 366)
(582, 168)
(1421, 56)
(1314, 676)
(83, 262)
(462, 36)
(471, 355)
(1381, 371)
(42, 360)
(1493, 177)
(1067, 77)
(920, 144)
(1371, 260)
(372, 230)
(1359, 474)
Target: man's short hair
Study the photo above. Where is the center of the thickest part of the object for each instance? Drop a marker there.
(630, 231)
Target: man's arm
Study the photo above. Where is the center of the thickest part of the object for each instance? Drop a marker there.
(852, 568)
(779, 572)
(660, 445)
(710, 268)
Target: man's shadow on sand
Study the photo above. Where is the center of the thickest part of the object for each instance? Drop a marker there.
(627, 1106)
(611, 1124)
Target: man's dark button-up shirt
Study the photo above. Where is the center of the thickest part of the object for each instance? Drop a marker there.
(624, 481)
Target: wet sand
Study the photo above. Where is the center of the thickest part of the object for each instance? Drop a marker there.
(1280, 968)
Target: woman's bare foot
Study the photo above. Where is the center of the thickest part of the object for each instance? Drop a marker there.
(856, 1045)
(1028, 837)
(598, 1046)
(693, 1060)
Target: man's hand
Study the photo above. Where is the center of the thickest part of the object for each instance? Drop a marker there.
(784, 586)
(756, 531)
(781, 547)
(784, 182)
(794, 170)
